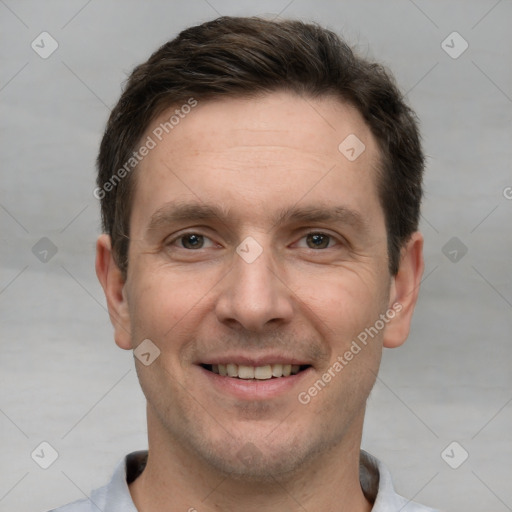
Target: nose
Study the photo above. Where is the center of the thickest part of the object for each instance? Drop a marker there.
(254, 295)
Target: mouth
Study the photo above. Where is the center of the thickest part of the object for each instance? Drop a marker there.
(265, 372)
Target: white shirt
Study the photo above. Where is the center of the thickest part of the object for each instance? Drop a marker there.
(115, 496)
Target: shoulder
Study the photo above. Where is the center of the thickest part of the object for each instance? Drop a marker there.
(377, 484)
(115, 495)
(84, 505)
(411, 506)
(97, 501)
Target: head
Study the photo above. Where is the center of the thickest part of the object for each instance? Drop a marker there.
(239, 230)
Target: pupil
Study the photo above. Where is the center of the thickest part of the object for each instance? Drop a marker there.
(318, 240)
(192, 241)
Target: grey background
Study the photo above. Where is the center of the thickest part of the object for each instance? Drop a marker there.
(64, 381)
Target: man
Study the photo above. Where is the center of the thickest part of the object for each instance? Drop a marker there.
(260, 188)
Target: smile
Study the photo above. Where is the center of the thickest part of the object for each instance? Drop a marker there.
(265, 372)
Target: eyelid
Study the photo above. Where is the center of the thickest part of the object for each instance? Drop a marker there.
(309, 231)
(177, 236)
(336, 237)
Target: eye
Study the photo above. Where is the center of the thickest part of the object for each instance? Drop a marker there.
(191, 241)
(318, 241)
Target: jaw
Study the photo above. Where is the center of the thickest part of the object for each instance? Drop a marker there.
(261, 444)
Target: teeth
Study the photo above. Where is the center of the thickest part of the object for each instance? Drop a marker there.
(277, 370)
(263, 372)
(246, 372)
(256, 372)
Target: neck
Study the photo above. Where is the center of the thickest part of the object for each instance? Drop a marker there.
(176, 479)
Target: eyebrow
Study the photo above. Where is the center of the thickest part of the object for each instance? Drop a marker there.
(331, 214)
(172, 213)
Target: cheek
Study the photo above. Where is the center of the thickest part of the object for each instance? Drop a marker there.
(342, 302)
(160, 305)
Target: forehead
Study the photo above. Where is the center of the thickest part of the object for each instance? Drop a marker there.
(259, 154)
(274, 119)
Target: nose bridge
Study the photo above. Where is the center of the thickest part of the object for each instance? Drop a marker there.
(254, 295)
(255, 275)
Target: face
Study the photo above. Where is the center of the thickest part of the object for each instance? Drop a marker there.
(257, 248)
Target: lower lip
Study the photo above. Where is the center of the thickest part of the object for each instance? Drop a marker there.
(253, 389)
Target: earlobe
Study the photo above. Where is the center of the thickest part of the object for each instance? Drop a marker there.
(404, 291)
(113, 284)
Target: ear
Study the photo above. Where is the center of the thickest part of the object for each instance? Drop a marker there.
(404, 291)
(111, 279)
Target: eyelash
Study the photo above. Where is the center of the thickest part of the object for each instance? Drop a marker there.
(189, 233)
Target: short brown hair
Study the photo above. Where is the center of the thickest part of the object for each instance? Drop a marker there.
(242, 57)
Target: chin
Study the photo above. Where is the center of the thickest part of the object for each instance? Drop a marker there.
(261, 461)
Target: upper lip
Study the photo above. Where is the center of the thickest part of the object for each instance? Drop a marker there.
(253, 360)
